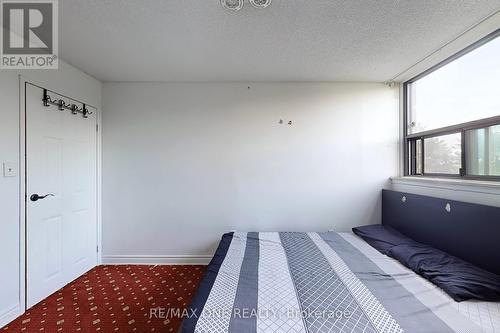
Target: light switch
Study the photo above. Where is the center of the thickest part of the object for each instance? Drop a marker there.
(9, 169)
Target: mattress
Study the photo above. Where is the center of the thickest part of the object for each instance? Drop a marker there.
(322, 282)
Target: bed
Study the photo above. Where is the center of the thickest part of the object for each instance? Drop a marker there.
(323, 282)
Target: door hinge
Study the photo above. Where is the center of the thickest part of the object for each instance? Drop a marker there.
(97, 249)
(97, 127)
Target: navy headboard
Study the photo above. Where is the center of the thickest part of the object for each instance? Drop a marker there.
(468, 231)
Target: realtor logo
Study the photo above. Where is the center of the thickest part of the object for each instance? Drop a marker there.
(29, 37)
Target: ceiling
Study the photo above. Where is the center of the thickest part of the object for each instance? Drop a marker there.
(292, 40)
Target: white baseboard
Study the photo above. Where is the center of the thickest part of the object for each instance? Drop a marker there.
(10, 315)
(156, 259)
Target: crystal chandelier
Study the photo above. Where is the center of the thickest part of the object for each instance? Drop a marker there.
(238, 4)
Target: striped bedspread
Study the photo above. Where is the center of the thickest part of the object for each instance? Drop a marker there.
(322, 282)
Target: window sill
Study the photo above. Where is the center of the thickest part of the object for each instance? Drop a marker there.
(467, 185)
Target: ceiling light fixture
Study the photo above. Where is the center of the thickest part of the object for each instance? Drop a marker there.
(238, 4)
(232, 4)
(260, 3)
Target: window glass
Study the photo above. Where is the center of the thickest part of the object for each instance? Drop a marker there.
(463, 90)
(483, 151)
(443, 154)
(418, 157)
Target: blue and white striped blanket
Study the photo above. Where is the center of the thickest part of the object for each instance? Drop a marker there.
(315, 283)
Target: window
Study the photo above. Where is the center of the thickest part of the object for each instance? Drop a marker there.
(484, 151)
(452, 115)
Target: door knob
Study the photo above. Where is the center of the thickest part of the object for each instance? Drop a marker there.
(36, 197)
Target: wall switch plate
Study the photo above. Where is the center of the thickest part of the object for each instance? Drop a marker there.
(9, 169)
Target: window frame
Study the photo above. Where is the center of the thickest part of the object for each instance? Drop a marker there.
(410, 158)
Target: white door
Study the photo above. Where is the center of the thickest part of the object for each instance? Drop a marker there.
(61, 229)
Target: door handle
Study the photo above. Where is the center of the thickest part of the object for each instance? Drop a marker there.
(36, 197)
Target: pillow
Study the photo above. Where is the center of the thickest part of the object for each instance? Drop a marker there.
(381, 237)
(458, 278)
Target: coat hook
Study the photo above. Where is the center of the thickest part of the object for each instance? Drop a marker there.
(85, 111)
(61, 104)
(46, 98)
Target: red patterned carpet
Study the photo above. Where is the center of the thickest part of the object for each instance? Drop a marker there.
(114, 299)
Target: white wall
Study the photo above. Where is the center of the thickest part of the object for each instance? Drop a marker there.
(68, 81)
(184, 163)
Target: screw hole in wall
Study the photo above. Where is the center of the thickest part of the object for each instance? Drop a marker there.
(448, 207)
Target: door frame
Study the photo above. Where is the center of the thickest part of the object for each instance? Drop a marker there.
(23, 80)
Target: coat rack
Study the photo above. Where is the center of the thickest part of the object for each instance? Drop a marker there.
(62, 105)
